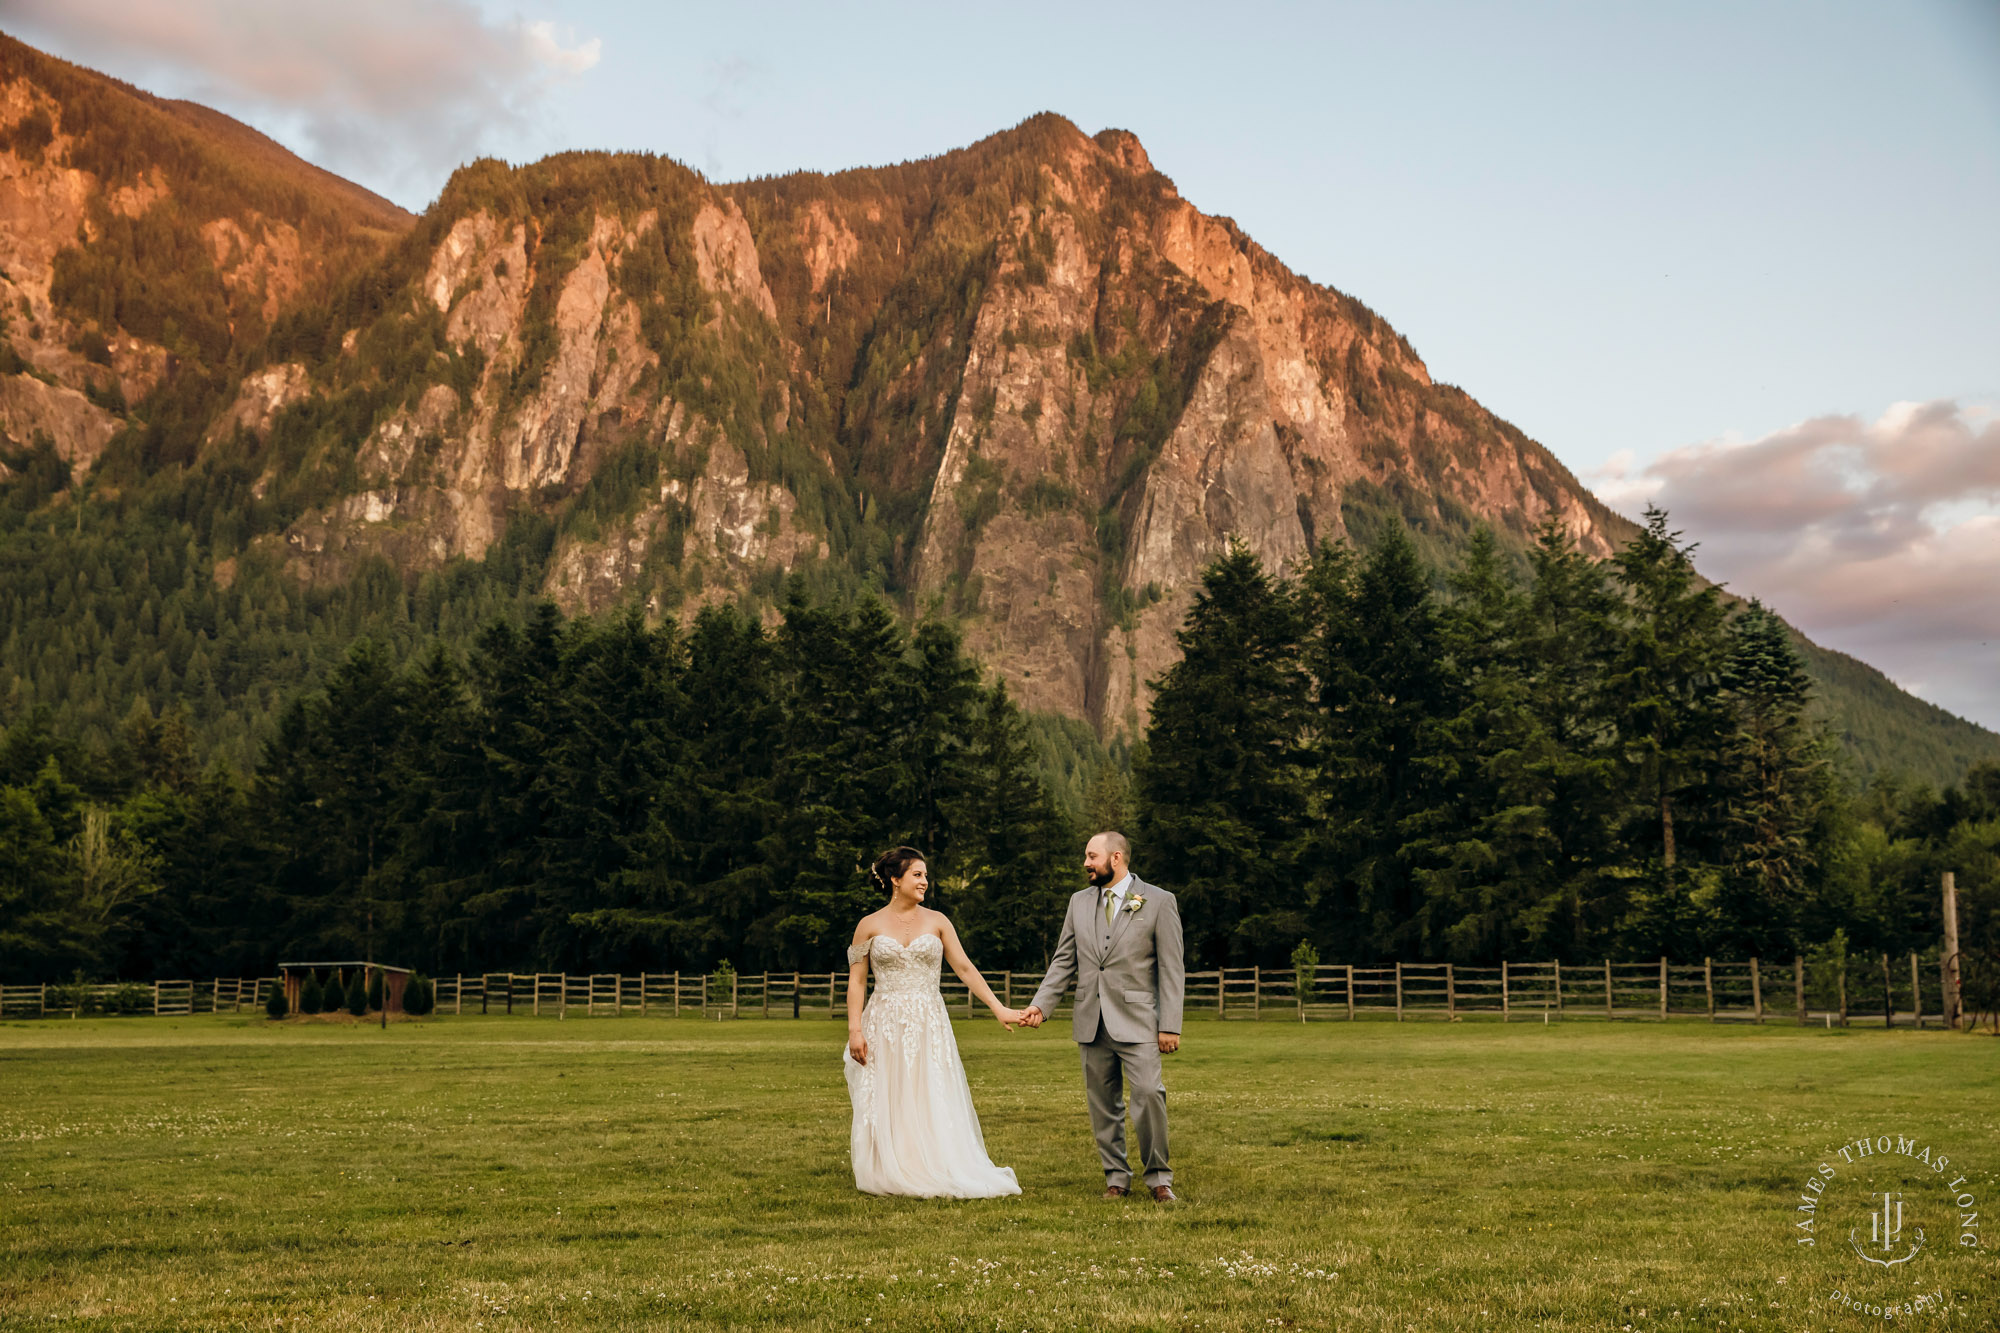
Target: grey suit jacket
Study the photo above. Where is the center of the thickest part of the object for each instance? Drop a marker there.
(1129, 976)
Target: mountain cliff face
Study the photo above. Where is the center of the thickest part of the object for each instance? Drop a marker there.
(138, 234)
(1025, 383)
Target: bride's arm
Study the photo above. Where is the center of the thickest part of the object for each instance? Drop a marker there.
(954, 953)
(857, 994)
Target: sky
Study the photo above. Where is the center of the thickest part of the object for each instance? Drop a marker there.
(1736, 259)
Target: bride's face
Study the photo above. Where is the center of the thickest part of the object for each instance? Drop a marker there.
(914, 882)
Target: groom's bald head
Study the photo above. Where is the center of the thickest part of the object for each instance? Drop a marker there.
(1106, 858)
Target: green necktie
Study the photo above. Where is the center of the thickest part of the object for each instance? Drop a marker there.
(1110, 906)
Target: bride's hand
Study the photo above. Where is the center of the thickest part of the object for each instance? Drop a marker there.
(857, 1046)
(1009, 1018)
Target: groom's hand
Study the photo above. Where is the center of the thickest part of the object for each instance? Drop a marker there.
(1169, 1042)
(1031, 1017)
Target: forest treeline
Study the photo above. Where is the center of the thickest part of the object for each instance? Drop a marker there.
(1593, 759)
(1557, 757)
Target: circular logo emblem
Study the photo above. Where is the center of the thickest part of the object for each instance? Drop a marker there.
(1880, 1221)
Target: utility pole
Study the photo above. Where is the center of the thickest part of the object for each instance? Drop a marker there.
(1948, 964)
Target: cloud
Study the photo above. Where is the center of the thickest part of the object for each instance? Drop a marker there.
(1881, 538)
(393, 93)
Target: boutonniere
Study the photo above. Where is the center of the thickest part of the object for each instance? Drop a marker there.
(1135, 902)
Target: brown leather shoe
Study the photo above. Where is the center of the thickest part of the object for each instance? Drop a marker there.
(1115, 1191)
(1165, 1194)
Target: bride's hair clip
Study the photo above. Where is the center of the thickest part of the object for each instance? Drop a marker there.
(890, 865)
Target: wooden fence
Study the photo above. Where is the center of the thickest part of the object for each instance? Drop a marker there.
(219, 995)
(1892, 995)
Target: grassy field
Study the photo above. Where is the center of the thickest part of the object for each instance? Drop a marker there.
(222, 1172)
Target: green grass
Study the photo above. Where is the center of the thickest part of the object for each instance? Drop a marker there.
(520, 1173)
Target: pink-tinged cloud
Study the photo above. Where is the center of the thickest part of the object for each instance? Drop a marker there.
(1881, 539)
(393, 93)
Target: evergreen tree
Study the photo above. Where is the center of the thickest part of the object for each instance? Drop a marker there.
(1774, 778)
(1666, 688)
(1221, 787)
(1014, 856)
(1382, 695)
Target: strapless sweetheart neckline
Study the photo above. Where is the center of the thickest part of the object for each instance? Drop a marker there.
(913, 943)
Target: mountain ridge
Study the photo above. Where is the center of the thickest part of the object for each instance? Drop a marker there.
(1022, 383)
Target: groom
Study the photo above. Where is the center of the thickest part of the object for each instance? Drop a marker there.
(1121, 943)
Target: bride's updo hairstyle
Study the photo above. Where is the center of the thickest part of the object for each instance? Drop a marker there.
(890, 865)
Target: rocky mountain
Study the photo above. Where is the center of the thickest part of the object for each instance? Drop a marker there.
(1024, 384)
(137, 234)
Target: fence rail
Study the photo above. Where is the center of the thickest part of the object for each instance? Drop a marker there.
(1755, 991)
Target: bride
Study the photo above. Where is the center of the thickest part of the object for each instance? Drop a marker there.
(915, 1131)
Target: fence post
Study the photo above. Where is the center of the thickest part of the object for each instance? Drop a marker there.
(1350, 992)
(1503, 991)
(1399, 992)
(1843, 990)
(1799, 986)
(1888, 1003)
(1559, 988)
(1916, 991)
(1607, 988)
(1708, 984)
(1221, 993)
(1948, 971)
(1450, 992)
(735, 980)
(1256, 992)
(1757, 991)
(767, 995)
(1663, 988)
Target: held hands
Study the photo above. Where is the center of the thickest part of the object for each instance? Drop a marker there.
(1031, 1017)
(1009, 1018)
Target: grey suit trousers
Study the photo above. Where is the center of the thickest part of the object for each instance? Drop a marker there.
(1108, 1066)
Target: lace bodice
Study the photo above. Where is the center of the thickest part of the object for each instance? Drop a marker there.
(900, 970)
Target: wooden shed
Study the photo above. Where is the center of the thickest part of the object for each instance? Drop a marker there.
(393, 979)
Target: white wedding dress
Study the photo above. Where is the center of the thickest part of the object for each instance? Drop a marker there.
(915, 1131)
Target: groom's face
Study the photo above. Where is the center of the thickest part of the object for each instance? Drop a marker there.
(1102, 866)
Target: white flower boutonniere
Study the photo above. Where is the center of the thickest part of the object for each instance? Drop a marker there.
(1135, 902)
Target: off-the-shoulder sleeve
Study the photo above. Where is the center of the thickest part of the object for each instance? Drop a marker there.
(857, 952)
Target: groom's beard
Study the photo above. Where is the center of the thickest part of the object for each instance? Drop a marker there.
(1098, 878)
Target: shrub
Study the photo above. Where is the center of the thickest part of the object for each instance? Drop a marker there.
(721, 983)
(131, 997)
(419, 995)
(275, 1006)
(1305, 959)
(375, 988)
(310, 996)
(357, 994)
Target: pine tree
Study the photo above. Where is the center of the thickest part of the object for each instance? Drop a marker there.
(1222, 797)
(1014, 856)
(1382, 695)
(1666, 687)
(1775, 778)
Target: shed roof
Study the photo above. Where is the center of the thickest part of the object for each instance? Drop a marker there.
(348, 962)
